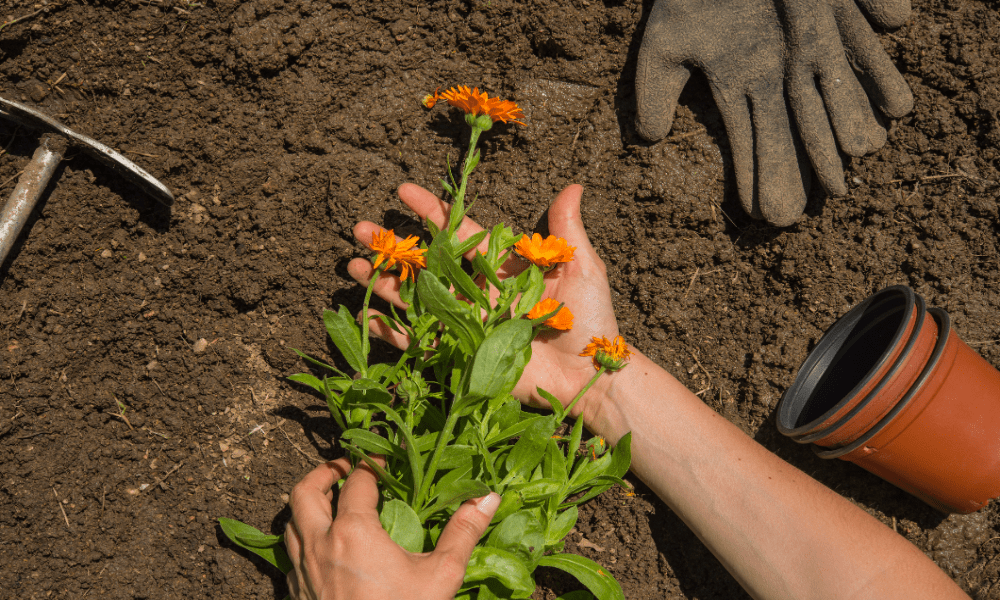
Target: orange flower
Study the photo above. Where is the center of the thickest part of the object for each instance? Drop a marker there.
(562, 320)
(544, 253)
(392, 252)
(612, 355)
(475, 103)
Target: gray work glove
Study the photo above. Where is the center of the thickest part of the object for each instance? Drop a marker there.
(763, 58)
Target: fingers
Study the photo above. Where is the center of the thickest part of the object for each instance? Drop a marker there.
(858, 132)
(359, 495)
(887, 13)
(293, 544)
(460, 535)
(782, 177)
(658, 85)
(817, 137)
(428, 206)
(883, 82)
(564, 217)
(736, 116)
(310, 498)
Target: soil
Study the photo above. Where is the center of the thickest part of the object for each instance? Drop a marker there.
(144, 349)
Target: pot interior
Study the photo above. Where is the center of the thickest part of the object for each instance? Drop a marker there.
(866, 340)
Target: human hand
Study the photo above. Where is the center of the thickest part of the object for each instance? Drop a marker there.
(351, 557)
(581, 284)
(742, 48)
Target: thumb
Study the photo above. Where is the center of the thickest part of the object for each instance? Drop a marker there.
(564, 217)
(460, 535)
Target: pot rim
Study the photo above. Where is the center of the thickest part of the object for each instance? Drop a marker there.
(921, 309)
(944, 331)
(820, 359)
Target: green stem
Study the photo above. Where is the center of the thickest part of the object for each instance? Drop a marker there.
(459, 198)
(442, 441)
(585, 388)
(365, 344)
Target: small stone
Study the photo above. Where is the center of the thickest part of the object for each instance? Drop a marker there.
(238, 452)
(224, 446)
(152, 365)
(106, 254)
(142, 257)
(285, 498)
(200, 345)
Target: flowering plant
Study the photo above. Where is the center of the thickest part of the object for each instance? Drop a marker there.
(443, 416)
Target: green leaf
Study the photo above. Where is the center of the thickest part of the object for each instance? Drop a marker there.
(447, 187)
(455, 315)
(503, 566)
(554, 464)
(403, 525)
(319, 363)
(621, 456)
(459, 491)
(366, 392)
(495, 365)
(268, 547)
(373, 443)
(480, 264)
(529, 450)
(587, 572)
(441, 259)
(471, 242)
(560, 526)
(346, 336)
(510, 503)
(532, 293)
(554, 402)
(309, 380)
(538, 489)
(520, 534)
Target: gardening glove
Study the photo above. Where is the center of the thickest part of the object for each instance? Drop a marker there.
(751, 62)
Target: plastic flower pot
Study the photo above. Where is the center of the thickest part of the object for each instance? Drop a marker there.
(891, 388)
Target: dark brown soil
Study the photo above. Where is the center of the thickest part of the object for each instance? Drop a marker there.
(280, 123)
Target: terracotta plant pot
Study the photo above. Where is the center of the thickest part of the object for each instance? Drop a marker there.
(891, 387)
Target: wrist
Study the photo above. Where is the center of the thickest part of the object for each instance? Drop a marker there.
(605, 411)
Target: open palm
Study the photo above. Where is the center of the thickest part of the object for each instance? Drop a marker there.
(581, 284)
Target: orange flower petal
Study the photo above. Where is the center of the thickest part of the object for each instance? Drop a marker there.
(562, 320)
(544, 252)
(392, 253)
(611, 354)
(474, 102)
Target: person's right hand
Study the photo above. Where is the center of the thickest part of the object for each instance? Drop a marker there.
(759, 57)
(582, 284)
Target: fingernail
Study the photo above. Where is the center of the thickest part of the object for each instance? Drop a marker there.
(488, 505)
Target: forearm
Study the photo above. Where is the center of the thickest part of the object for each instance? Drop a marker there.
(778, 531)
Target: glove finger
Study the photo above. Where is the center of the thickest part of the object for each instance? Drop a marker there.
(887, 13)
(658, 84)
(735, 113)
(851, 114)
(817, 137)
(883, 82)
(782, 174)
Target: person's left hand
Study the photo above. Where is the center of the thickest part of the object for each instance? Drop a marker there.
(351, 557)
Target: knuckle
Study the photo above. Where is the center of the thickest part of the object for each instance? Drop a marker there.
(451, 569)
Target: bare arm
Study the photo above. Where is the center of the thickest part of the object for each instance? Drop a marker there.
(779, 532)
